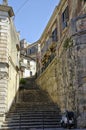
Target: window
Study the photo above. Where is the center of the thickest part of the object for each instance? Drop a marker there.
(54, 35)
(65, 17)
(30, 51)
(30, 73)
(33, 50)
(21, 45)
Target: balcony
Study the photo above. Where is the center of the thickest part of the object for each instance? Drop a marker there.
(46, 46)
(48, 58)
(49, 45)
(48, 54)
(47, 61)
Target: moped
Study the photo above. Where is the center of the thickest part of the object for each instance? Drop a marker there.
(68, 120)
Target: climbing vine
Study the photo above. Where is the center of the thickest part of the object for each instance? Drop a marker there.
(68, 43)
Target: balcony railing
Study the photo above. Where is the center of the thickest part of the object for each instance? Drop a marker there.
(46, 64)
(50, 58)
(47, 45)
(48, 54)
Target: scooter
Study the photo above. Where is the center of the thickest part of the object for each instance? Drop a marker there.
(68, 120)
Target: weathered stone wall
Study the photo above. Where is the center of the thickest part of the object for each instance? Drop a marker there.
(4, 26)
(9, 76)
(78, 28)
(13, 81)
(67, 88)
(47, 81)
(64, 79)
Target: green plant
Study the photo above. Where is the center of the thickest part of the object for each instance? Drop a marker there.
(22, 81)
(67, 43)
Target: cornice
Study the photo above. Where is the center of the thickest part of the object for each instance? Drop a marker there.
(7, 9)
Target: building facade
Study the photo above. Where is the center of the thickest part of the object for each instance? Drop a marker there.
(28, 59)
(32, 50)
(9, 60)
(63, 58)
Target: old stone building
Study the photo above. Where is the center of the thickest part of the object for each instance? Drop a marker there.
(63, 58)
(28, 54)
(9, 60)
(32, 50)
(24, 66)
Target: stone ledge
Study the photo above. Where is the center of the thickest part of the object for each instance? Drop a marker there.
(7, 9)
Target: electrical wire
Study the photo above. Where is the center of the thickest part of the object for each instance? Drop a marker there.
(21, 7)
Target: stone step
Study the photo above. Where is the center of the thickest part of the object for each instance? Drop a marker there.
(33, 112)
(33, 115)
(35, 104)
(40, 103)
(30, 123)
(48, 108)
(48, 103)
(30, 127)
(34, 109)
(32, 120)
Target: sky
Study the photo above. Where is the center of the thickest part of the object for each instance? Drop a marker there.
(32, 16)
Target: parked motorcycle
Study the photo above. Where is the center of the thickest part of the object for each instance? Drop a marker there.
(68, 120)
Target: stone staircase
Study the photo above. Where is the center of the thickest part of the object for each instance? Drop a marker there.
(34, 110)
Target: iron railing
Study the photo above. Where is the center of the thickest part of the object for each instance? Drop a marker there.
(51, 57)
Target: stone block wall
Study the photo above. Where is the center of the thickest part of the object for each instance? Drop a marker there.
(68, 86)
(9, 75)
(4, 27)
(47, 81)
